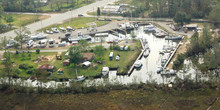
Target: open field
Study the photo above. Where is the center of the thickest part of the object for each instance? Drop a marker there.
(25, 19)
(63, 6)
(80, 22)
(117, 99)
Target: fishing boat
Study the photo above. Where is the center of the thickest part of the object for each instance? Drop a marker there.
(179, 37)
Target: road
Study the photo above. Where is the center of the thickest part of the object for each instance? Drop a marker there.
(57, 18)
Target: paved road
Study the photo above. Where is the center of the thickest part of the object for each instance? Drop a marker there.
(57, 18)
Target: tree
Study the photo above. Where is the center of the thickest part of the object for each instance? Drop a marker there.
(98, 11)
(9, 19)
(83, 44)
(133, 35)
(41, 76)
(181, 17)
(22, 34)
(99, 50)
(8, 70)
(206, 38)
(4, 42)
(75, 54)
(214, 16)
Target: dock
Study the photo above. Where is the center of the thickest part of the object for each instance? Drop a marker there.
(138, 58)
(171, 56)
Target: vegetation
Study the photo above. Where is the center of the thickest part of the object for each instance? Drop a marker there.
(181, 18)
(179, 61)
(98, 11)
(21, 35)
(37, 6)
(214, 17)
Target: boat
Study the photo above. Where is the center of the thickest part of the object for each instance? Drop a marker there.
(80, 78)
(160, 34)
(138, 64)
(179, 37)
(159, 69)
(49, 32)
(69, 28)
(149, 28)
(168, 72)
(55, 30)
(146, 53)
(62, 29)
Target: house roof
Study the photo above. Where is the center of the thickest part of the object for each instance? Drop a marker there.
(191, 25)
(88, 56)
(46, 66)
(111, 8)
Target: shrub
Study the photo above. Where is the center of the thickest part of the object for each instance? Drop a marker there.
(38, 51)
(25, 66)
(179, 61)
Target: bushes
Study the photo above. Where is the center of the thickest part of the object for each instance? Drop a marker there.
(25, 66)
(179, 61)
(38, 51)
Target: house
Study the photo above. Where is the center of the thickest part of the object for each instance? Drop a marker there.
(191, 27)
(112, 9)
(87, 56)
(46, 67)
(66, 62)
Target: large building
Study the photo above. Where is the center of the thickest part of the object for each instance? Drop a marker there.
(112, 9)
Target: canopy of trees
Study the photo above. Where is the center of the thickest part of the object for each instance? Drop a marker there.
(214, 16)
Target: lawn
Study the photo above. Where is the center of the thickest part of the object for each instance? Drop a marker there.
(65, 6)
(77, 23)
(25, 19)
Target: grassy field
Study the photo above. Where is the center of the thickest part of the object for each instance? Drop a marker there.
(77, 23)
(52, 7)
(25, 19)
(114, 100)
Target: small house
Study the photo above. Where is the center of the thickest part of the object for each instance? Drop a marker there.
(88, 56)
(191, 27)
(47, 67)
(112, 9)
(66, 62)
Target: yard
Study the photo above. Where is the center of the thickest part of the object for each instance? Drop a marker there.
(31, 59)
(80, 22)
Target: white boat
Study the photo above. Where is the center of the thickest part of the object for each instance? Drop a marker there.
(55, 30)
(105, 71)
(63, 29)
(138, 64)
(146, 53)
(179, 37)
(49, 32)
(149, 28)
(80, 78)
(69, 28)
(159, 69)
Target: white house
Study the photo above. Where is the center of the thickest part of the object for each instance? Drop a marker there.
(112, 9)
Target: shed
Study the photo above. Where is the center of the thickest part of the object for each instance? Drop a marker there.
(191, 27)
(66, 62)
(46, 67)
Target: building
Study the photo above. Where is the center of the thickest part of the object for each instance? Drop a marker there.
(191, 27)
(47, 67)
(112, 9)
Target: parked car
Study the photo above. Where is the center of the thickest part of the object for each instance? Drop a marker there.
(80, 14)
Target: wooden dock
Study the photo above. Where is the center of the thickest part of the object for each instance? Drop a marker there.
(138, 58)
(171, 56)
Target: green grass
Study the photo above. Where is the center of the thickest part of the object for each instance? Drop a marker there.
(77, 23)
(64, 7)
(23, 19)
